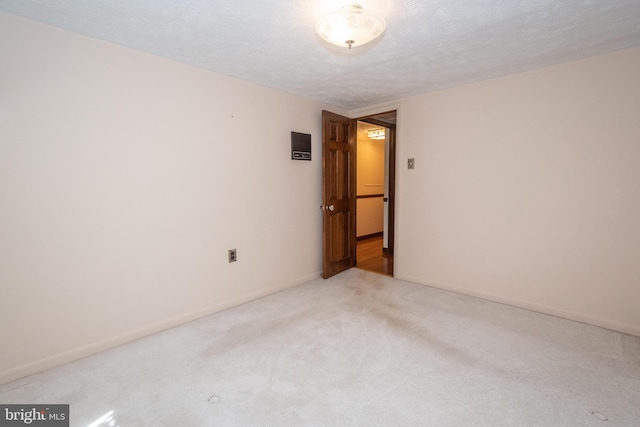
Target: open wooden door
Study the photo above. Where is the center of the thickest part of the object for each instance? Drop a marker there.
(338, 193)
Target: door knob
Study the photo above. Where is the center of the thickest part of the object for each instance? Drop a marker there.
(329, 208)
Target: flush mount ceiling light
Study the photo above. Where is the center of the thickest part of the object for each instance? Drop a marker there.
(376, 134)
(350, 27)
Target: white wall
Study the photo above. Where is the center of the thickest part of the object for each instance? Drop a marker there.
(527, 190)
(124, 179)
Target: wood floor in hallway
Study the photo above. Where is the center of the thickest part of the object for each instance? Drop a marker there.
(370, 257)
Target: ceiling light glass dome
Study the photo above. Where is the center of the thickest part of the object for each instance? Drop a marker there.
(351, 26)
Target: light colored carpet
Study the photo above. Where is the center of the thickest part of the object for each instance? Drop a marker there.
(359, 349)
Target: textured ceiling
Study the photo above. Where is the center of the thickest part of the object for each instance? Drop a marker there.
(428, 45)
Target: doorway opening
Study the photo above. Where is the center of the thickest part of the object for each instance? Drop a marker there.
(375, 192)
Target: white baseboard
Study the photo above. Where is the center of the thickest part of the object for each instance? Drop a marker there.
(93, 348)
(540, 308)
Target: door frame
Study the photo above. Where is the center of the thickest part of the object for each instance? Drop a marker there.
(391, 162)
(347, 258)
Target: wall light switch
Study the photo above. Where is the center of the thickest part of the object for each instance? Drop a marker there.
(411, 163)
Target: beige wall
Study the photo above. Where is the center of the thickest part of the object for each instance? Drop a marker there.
(124, 179)
(527, 190)
(370, 216)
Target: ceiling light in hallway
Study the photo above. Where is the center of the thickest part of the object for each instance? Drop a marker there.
(376, 133)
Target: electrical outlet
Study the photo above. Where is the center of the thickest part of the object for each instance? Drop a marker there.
(411, 163)
(233, 255)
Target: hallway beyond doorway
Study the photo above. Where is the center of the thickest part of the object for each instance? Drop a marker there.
(370, 256)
